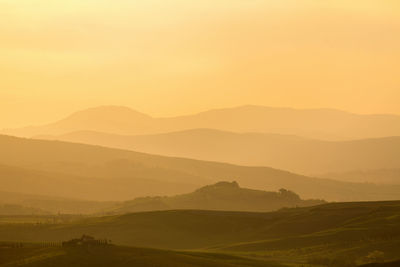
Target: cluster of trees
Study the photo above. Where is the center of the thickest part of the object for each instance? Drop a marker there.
(86, 241)
(25, 245)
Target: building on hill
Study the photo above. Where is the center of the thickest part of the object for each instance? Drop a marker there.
(85, 241)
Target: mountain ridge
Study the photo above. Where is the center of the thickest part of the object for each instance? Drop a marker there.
(328, 124)
(115, 174)
(288, 152)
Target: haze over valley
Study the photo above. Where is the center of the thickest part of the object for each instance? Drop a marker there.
(89, 172)
(194, 133)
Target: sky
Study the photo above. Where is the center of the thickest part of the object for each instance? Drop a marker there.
(175, 57)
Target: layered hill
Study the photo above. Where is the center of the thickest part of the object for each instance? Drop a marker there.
(296, 154)
(220, 196)
(98, 173)
(313, 123)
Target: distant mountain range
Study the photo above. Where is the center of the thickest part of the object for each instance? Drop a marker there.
(326, 124)
(97, 173)
(292, 153)
(219, 196)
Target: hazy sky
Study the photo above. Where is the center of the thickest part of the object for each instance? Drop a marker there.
(171, 57)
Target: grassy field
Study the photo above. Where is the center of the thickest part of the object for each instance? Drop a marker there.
(384, 264)
(326, 234)
(120, 256)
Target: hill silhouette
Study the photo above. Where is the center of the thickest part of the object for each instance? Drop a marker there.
(98, 173)
(327, 124)
(292, 153)
(219, 196)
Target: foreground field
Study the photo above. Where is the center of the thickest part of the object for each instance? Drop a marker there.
(119, 256)
(336, 234)
(38, 255)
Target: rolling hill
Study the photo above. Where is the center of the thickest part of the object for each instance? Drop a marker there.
(331, 231)
(296, 154)
(98, 173)
(120, 256)
(326, 124)
(219, 196)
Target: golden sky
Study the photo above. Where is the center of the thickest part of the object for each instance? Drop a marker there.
(172, 57)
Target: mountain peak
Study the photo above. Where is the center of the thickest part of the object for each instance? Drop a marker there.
(107, 119)
(110, 111)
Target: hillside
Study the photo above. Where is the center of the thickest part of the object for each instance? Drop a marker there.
(119, 256)
(12, 209)
(331, 231)
(326, 124)
(102, 182)
(111, 174)
(296, 154)
(385, 176)
(382, 264)
(219, 196)
(51, 204)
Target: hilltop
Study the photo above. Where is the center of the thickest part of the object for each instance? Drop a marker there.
(219, 196)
